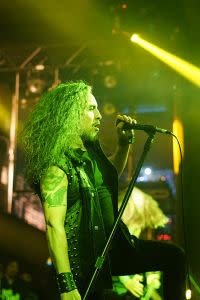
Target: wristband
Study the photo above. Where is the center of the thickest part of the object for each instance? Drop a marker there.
(65, 282)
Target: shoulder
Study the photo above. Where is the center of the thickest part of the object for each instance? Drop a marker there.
(53, 177)
(53, 171)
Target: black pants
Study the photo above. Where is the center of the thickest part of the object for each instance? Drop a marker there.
(144, 256)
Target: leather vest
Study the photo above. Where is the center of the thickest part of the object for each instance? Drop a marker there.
(84, 223)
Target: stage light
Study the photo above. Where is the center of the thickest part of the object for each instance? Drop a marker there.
(184, 68)
(109, 109)
(178, 131)
(147, 171)
(23, 103)
(124, 6)
(39, 67)
(4, 175)
(135, 37)
(4, 117)
(163, 178)
(33, 89)
(49, 262)
(188, 294)
(36, 85)
(110, 81)
(164, 237)
(141, 178)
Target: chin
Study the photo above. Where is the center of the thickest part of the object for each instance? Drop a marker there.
(91, 138)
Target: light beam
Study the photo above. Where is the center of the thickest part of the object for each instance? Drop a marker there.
(184, 68)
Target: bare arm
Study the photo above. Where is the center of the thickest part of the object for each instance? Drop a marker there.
(54, 197)
(119, 158)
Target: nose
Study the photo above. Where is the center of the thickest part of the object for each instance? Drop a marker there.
(98, 115)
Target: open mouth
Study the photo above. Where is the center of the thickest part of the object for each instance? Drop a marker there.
(97, 126)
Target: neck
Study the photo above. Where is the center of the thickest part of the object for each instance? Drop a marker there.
(79, 145)
(83, 145)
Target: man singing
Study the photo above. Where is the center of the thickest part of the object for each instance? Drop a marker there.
(78, 186)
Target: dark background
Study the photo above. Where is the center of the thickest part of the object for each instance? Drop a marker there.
(143, 86)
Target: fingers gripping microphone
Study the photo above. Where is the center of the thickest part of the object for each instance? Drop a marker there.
(146, 128)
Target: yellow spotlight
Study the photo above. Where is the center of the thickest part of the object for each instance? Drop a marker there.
(4, 118)
(181, 66)
(188, 294)
(135, 37)
(178, 131)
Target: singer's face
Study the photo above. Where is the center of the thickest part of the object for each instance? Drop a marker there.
(90, 120)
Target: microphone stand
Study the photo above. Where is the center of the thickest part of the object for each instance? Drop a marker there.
(100, 260)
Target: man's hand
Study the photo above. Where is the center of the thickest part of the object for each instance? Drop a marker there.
(125, 137)
(135, 285)
(73, 295)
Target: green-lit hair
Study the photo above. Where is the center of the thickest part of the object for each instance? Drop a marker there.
(52, 126)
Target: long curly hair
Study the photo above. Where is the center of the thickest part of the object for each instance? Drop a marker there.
(52, 126)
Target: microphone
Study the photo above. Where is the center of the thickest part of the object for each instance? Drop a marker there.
(144, 127)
